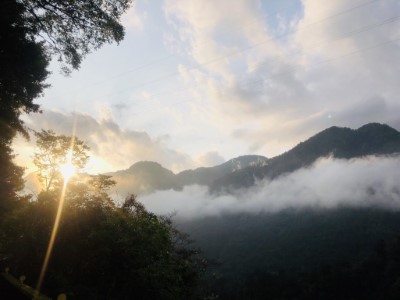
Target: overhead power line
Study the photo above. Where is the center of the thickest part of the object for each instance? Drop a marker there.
(160, 59)
(242, 50)
(353, 33)
(293, 69)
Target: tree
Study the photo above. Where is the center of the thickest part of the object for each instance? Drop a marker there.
(23, 63)
(10, 180)
(90, 191)
(101, 251)
(53, 152)
(73, 28)
(31, 33)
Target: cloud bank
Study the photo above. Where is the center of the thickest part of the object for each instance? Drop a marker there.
(274, 77)
(112, 147)
(329, 183)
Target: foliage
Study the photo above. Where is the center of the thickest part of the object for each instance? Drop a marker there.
(31, 32)
(90, 190)
(23, 63)
(52, 153)
(375, 277)
(284, 255)
(11, 181)
(71, 29)
(101, 252)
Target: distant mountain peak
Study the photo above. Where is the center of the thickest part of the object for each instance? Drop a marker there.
(148, 176)
(373, 125)
(244, 171)
(340, 142)
(377, 128)
(146, 165)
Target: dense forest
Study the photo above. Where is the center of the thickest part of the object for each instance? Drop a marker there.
(344, 253)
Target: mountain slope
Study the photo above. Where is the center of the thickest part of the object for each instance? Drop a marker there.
(370, 139)
(146, 177)
(143, 177)
(251, 251)
(206, 176)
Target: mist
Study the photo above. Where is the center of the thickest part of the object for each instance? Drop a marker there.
(329, 183)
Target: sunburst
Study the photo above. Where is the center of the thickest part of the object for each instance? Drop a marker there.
(68, 170)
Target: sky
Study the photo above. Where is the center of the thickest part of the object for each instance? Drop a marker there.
(197, 82)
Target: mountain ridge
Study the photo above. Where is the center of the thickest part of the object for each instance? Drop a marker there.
(244, 171)
(147, 176)
(339, 142)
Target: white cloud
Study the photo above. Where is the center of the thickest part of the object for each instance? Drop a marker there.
(112, 147)
(329, 183)
(334, 66)
(133, 20)
(210, 159)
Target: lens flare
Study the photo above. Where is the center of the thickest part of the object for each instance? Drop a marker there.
(67, 170)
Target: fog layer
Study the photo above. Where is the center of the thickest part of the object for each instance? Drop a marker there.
(329, 183)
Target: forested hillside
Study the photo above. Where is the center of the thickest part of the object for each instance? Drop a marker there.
(301, 254)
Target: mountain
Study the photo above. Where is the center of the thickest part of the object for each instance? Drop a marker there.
(206, 176)
(243, 171)
(146, 176)
(143, 177)
(310, 253)
(346, 143)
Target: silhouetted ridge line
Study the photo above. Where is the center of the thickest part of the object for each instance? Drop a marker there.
(338, 142)
(146, 176)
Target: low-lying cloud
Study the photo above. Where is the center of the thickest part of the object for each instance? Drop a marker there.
(329, 183)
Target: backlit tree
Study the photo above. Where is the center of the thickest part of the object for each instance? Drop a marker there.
(53, 152)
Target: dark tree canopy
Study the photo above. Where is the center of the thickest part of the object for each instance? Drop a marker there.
(101, 251)
(23, 63)
(73, 28)
(10, 180)
(31, 33)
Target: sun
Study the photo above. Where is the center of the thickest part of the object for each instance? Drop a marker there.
(68, 170)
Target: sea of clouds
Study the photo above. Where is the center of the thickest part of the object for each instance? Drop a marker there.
(328, 183)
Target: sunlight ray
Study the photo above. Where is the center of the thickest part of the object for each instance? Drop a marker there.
(53, 236)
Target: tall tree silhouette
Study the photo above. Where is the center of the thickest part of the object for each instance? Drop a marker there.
(31, 33)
